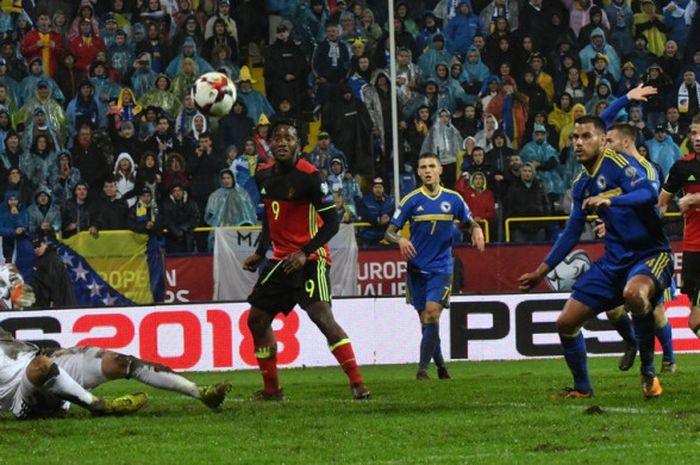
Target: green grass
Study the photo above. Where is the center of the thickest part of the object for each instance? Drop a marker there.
(490, 413)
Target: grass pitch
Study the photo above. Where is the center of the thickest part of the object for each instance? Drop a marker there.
(490, 413)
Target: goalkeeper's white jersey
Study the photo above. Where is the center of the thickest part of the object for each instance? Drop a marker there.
(14, 358)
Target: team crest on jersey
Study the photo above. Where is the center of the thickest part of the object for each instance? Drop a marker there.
(601, 183)
(630, 171)
(290, 194)
(445, 206)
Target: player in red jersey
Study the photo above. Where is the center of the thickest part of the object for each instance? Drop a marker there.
(685, 176)
(299, 221)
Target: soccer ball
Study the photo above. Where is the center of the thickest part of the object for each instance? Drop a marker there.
(565, 274)
(214, 94)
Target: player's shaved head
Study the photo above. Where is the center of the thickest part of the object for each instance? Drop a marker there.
(627, 131)
(621, 138)
(429, 155)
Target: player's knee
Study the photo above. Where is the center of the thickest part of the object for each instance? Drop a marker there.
(116, 365)
(635, 299)
(256, 323)
(615, 314)
(565, 327)
(41, 369)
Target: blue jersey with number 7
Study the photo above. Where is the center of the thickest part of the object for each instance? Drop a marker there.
(432, 224)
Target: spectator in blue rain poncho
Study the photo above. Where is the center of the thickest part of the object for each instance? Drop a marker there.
(339, 180)
(189, 50)
(545, 159)
(662, 150)
(434, 55)
(462, 28)
(28, 85)
(229, 205)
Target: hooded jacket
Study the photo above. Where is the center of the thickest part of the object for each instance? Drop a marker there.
(126, 182)
(443, 140)
(461, 29)
(481, 202)
(548, 159)
(664, 153)
(9, 222)
(590, 51)
(50, 214)
(175, 66)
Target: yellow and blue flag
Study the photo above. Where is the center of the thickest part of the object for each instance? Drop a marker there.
(114, 268)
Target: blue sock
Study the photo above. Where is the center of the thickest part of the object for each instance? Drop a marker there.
(665, 337)
(575, 355)
(431, 334)
(644, 328)
(437, 354)
(624, 327)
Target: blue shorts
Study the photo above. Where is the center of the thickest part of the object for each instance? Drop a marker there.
(669, 293)
(601, 287)
(422, 287)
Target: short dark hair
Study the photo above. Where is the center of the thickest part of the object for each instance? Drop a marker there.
(283, 122)
(428, 155)
(628, 131)
(695, 120)
(481, 149)
(596, 121)
(206, 135)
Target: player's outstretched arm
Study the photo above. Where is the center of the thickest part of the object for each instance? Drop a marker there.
(641, 92)
(529, 280)
(405, 246)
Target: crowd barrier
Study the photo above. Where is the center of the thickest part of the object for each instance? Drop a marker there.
(214, 336)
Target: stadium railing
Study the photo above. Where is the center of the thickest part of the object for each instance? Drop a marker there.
(549, 219)
(484, 225)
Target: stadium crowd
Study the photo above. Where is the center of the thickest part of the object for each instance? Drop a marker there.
(98, 130)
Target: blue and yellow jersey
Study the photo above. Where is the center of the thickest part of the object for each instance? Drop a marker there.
(431, 219)
(634, 228)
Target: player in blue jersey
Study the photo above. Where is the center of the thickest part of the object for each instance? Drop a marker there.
(621, 138)
(431, 211)
(636, 265)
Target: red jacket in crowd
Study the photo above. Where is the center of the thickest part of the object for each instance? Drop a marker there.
(48, 55)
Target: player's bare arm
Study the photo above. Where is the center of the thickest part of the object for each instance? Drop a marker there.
(252, 262)
(477, 235)
(405, 246)
(664, 199)
(529, 280)
(689, 201)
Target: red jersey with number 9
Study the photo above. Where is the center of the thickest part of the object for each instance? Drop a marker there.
(292, 199)
(685, 176)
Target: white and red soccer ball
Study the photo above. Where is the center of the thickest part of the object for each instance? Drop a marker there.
(214, 94)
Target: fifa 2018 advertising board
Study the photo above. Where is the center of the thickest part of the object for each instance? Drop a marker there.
(203, 337)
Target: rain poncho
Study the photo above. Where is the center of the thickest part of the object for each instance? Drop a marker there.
(51, 213)
(229, 207)
(590, 51)
(175, 66)
(543, 153)
(162, 99)
(443, 140)
(664, 153)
